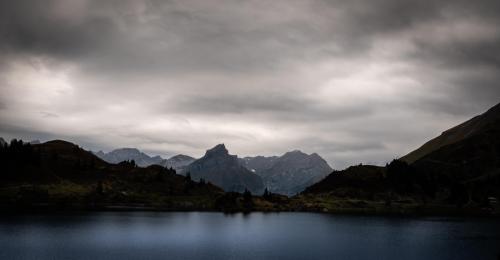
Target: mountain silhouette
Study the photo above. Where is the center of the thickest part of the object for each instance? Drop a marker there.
(224, 170)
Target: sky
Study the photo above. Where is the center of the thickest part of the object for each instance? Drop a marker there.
(354, 81)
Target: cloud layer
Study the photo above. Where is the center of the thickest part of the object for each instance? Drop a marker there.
(355, 81)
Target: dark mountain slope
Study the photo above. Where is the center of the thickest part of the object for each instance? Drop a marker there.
(455, 134)
(355, 181)
(473, 163)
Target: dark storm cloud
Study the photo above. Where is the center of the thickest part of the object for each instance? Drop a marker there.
(114, 34)
(36, 27)
(70, 28)
(356, 81)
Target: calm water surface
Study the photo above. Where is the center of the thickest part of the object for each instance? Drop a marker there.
(195, 235)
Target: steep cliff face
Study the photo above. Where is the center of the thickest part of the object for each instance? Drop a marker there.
(224, 170)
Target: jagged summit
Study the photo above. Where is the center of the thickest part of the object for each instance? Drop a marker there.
(219, 149)
(295, 153)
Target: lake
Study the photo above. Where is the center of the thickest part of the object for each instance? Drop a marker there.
(199, 235)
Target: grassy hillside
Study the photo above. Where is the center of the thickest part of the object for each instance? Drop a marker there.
(455, 134)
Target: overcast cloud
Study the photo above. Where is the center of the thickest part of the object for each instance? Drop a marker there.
(355, 81)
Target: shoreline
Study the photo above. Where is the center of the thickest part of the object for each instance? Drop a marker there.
(391, 212)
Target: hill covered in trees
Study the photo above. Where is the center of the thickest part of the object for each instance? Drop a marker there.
(60, 174)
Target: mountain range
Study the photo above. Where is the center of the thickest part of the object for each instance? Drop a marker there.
(125, 154)
(290, 173)
(176, 162)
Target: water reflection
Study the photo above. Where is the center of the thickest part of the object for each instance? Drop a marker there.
(196, 235)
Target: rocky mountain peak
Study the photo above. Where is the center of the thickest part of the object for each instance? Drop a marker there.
(225, 170)
(295, 155)
(295, 152)
(217, 150)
